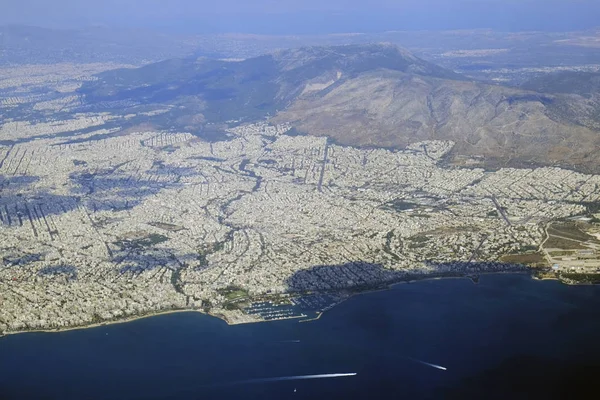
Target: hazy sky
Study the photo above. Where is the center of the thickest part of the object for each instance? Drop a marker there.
(306, 16)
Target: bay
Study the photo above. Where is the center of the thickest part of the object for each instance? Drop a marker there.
(506, 337)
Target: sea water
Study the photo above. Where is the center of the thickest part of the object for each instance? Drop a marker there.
(508, 336)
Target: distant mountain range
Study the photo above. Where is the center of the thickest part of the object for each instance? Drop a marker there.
(365, 95)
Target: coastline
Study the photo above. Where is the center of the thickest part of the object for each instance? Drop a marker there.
(103, 323)
(410, 280)
(470, 277)
(347, 295)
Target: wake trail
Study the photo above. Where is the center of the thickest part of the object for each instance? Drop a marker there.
(427, 363)
(292, 378)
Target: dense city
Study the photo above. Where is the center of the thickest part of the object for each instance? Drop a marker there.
(99, 224)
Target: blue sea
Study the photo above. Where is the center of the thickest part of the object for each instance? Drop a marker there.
(506, 337)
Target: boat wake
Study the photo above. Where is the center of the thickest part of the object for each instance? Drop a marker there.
(428, 364)
(434, 365)
(294, 378)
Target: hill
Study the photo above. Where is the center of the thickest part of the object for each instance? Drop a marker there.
(577, 95)
(567, 82)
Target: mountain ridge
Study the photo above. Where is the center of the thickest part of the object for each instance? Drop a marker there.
(375, 95)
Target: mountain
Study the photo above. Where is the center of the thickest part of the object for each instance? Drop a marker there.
(577, 95)
(362, 95)
(504, 126)
(251, 88)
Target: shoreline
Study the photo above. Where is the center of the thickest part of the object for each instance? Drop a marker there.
(389, 286)
(414, 280)
(104, 323)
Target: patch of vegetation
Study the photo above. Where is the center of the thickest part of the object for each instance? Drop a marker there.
(571, 230)
(230, 306)
(525, 249)
(592, 207)
(419, 239)
(560, 253)
(206, 305)
(582, 278)
(531, 259)
(219, 246)
(202, 258)
(153, 239)
(400, 205)
(167, 227)
(558, 243)
(140, 243)
(295, 132)
(96, 318)
(176, 281)
(386, 247)
(233, 293)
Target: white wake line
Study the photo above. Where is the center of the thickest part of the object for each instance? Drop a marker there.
(296, 378)
(433, 365)
(428, 364)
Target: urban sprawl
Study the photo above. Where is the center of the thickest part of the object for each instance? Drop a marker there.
(115, 225)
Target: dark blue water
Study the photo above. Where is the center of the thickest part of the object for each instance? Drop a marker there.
(506, 337)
